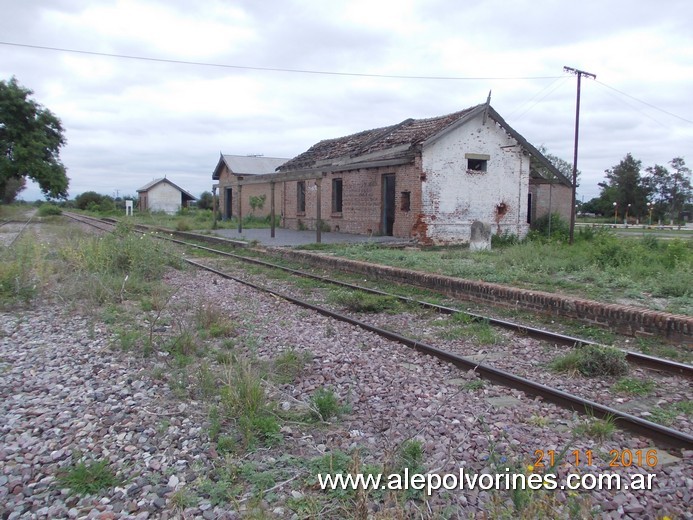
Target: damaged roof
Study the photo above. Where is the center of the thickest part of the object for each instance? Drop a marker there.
(409, 132)
(401, 139)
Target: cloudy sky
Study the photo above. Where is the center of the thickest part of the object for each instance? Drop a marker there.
(129, 121)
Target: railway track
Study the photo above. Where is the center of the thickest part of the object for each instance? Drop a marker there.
(661, 434)
(21, 230)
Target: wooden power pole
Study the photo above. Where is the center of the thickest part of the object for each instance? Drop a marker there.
(579, 74)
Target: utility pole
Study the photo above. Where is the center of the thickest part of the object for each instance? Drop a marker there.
(579, 74)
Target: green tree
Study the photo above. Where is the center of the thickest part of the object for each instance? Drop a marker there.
(30, 141)
(561, 165)
(206, 200)
(626, 187)
(92, 201)
(257, 202)
(670, 191)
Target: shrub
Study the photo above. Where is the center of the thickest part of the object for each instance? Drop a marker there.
(184, 224)
(48, 210)
(593, 360)
(559, 227)
(507, 239)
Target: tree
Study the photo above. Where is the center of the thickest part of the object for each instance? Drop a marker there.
(92, 201)
(561, 165)
(257, 202)
(206, 200)
(12, 188)
(625, 186)
(670, 191)
(30, 141)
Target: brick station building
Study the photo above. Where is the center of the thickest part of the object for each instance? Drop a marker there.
(428, 179)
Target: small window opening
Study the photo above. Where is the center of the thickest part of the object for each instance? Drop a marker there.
(301, 197)
(476, 165)
(336, 195)
(405, 201)
(501, 209)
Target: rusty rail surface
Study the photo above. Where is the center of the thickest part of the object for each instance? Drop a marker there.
(658, 433)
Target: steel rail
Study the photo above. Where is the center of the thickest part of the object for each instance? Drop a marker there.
(656, 432)
(637, 358)
(19, 233)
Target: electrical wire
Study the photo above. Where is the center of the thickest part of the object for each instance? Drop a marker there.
(645, 102)
(266, 69)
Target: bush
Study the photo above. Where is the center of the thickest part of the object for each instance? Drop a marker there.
(560, 228)
(92, 201)
(592, 361)
(507, 239)
(48, 210)
(184, 225)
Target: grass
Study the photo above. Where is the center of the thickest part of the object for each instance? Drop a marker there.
(633, 386)
(592, 361)
(598, 429)
(600, 266)
(289, 365)
(359, 301)
(325, 404)
(667, 414)
(244, 400)
(464, 326)
(88, 478)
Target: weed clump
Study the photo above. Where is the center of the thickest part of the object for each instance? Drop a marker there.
(592, 361)
(358, 301)
(88, 478)
(325, 404)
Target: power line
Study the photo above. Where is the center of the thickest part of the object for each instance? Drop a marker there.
(645, 103)
(561, 79)
(267, 69)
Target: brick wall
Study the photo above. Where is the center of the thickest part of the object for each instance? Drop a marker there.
(557, 195)
(227, 180)
(632, 321)
(361, 201)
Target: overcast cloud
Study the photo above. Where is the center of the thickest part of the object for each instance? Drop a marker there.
(130, 121)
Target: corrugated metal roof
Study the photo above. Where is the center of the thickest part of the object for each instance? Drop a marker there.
(252, 164)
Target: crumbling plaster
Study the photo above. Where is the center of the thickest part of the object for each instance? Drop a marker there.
(453, 197)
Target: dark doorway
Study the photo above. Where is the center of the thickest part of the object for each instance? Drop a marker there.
(388, 204)
(228, 203)
(529, 208)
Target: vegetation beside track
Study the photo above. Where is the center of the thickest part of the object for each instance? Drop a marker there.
(645, 272)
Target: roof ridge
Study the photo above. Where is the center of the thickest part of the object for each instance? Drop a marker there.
(386, 131)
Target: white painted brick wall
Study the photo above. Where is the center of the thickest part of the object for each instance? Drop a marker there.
(452, 198)
(164, 197)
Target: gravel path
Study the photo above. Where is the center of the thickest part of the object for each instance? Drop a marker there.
(66, 393)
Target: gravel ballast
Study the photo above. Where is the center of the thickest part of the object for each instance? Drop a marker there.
(67, 394)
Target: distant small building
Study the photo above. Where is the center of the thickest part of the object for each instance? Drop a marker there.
(231, 170)
(163, 195)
